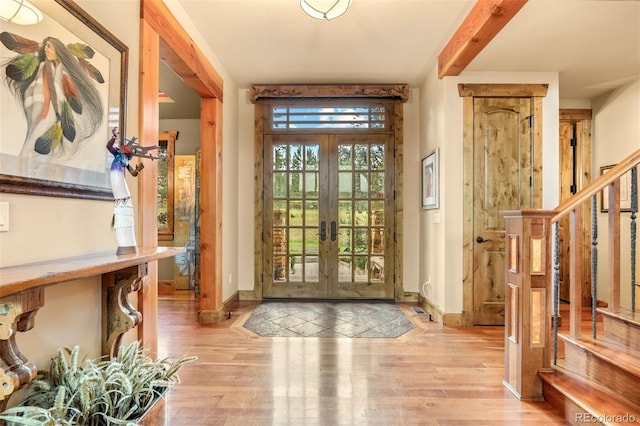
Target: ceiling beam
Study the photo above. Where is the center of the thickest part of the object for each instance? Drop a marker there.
(481, 25)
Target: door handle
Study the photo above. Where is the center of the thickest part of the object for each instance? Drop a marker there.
(323, 231)
(334, 232)
(481, 240)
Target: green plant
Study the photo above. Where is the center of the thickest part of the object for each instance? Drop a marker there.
(113, 392)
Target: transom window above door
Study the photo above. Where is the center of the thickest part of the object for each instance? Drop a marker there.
(328, 117)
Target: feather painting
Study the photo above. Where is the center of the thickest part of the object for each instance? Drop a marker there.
(56, 86)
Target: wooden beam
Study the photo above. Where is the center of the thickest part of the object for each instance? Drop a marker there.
(481, 25)
(180, 52)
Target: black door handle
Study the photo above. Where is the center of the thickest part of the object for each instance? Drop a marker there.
(323, 231)
(334, 231)
(481, 240)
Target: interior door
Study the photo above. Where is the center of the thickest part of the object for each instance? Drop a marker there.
(502, 153)
(328, 218)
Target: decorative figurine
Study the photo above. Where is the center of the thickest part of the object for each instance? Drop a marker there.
(123, 220)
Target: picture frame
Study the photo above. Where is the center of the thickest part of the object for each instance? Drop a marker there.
(81, 170)
(625, 192)
(430, 181)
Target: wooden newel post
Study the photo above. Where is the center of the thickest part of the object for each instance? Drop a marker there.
(528, 306)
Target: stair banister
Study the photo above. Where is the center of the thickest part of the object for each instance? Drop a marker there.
(518, 309)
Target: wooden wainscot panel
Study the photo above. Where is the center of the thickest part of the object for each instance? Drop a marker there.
(514, 254)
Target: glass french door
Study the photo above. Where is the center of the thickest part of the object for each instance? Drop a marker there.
(328, 219)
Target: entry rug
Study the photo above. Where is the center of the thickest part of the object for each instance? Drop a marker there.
(328, 319)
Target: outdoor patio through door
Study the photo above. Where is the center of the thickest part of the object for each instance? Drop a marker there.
(328, 219)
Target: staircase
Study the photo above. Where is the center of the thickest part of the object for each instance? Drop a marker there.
(588, 367)
(597, 381)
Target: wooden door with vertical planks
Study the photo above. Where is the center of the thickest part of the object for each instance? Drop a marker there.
(502, 178)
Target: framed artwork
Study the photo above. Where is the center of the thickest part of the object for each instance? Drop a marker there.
(62, 91)
(625, 192)
(166, 155)
(430, 184)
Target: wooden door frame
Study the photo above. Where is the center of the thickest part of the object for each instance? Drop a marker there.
(161, 36)
(468, 91)
(260, 95)
(584, 175)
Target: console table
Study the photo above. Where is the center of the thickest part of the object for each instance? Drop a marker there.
(22, 294)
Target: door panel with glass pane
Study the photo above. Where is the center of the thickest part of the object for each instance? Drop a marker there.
(326, 216)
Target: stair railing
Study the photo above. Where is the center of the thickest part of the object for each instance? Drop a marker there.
(532, 274)
(574, 207)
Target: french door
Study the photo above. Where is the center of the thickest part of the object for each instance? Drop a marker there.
(328, 219)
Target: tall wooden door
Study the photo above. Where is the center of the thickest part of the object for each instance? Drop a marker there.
(502, 179)
(575, 174)
(328, 218)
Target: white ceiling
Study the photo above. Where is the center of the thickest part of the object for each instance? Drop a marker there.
(593, 44)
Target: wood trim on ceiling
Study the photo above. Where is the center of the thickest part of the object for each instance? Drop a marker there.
(503, 90)
(388, 91)
(481, 25)
(575, 114)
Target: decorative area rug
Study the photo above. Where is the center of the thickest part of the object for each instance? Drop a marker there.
(328, 319)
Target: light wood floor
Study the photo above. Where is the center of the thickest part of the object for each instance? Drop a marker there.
(433, 375)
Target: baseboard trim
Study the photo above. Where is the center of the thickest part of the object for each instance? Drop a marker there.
(211, 316)
(450, 320)
(248, 295)
(231, 301)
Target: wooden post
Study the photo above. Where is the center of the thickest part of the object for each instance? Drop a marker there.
(527, 300)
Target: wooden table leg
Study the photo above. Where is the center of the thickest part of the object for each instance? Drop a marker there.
(118, 314)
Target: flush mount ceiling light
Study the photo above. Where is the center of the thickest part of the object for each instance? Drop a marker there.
(19, 12)
(325, 9)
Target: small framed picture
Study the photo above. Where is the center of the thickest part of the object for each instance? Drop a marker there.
(430, 184)
(625, 192)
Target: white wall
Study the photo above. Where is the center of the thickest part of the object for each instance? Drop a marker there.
(615, 135)
(441, 230)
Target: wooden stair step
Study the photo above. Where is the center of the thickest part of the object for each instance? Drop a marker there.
(608, 363)
(581, 401)
(623, 357)
(622, 326)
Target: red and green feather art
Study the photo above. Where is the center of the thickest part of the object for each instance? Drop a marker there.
(55, 84)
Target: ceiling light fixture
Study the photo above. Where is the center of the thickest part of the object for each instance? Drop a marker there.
(19, 12)
(325, 9)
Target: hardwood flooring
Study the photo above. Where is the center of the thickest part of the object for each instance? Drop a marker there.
(432, 375)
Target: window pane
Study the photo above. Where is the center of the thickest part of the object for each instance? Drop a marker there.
(295, 157)
(279, 157)
(295, 213)
(295, 240)
(295, 188)
(280, 185)
(377, 184)
(344, 157)
(377, 157)
(311, 157)
(311, 213)
(362, 213)
(344, 240)
(361, 157)
(295, 268)
(311, 269)
(311, 184)
(344, 185)
(362, 185)
(311, 240)
(345, 213)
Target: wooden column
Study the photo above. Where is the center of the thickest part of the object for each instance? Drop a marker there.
(528, 305)
(211, 306)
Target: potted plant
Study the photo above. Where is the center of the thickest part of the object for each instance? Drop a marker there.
(119, 391)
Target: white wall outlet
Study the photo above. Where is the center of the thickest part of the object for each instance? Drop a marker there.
(4, 217)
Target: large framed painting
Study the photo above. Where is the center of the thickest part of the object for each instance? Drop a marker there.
(62, 91)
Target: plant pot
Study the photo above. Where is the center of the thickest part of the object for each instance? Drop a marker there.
(157, 413)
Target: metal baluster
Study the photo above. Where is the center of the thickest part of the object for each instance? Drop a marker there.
(556, 288)
(594, 262)
(634, 209)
